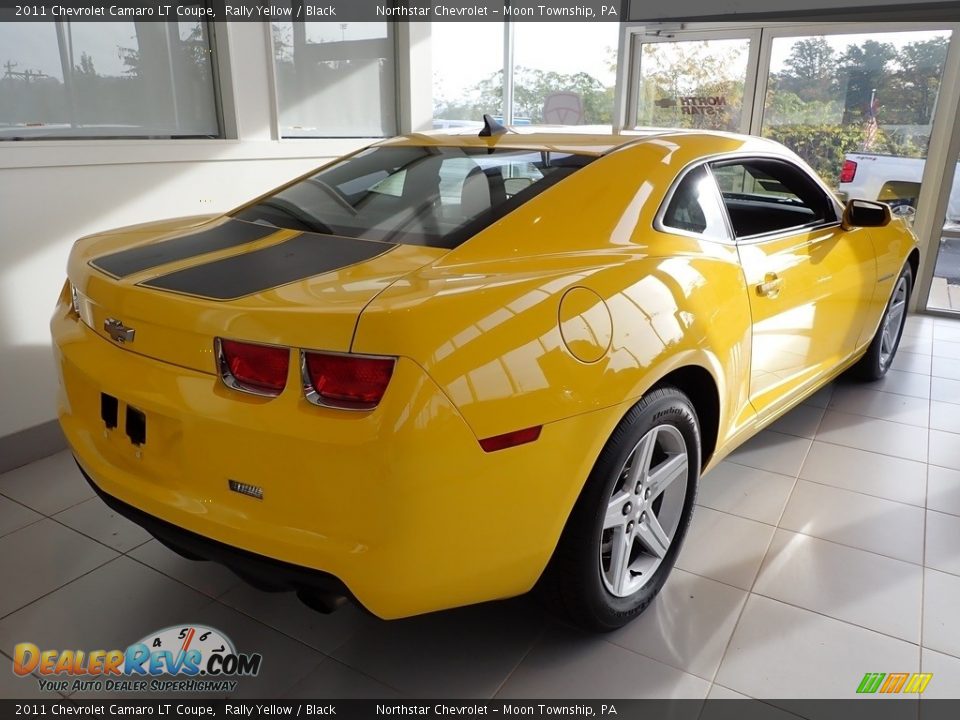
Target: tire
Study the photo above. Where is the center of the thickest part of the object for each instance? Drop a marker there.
(581, 581)
(883, 348)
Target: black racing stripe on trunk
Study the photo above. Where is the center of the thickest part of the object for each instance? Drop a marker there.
(228, 235)
(298, 258)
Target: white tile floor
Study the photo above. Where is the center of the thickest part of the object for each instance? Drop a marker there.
(827, 547)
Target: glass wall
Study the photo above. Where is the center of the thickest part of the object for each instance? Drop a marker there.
(858, 108)
(945, 288)
(693, 84)
(109, 79)
(563, 73)
(463, 90)
(553, 84)
(335, 79)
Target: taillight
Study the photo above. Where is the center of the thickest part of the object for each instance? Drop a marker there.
(352, 382)
(510, 439)
(257, 369)
(848, 172)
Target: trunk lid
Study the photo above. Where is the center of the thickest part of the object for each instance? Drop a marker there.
(178, 286)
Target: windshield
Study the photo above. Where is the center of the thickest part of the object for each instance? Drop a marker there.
(434, 196)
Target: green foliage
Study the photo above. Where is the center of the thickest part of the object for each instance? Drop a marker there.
(819, 105)
(824, 146)
(691, 69)
(811, 71)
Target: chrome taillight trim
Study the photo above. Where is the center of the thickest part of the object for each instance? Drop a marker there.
(227, 377)
(314, 398)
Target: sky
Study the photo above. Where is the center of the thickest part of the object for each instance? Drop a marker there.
(780, 50)
(465, 53)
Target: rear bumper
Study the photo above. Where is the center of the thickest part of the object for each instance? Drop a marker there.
(400, 506)
(261, 570)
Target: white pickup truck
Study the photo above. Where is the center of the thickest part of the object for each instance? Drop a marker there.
(893, 180)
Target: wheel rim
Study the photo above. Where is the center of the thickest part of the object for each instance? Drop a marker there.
(644, 510)
(893, 321)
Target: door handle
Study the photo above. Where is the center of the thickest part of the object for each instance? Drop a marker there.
(770, 287)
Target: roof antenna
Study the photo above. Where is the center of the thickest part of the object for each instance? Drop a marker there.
(491, 127)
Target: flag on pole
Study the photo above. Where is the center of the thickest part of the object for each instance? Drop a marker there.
(871, 127)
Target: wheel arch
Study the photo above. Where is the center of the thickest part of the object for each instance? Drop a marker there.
(699, 385)
(913, 259)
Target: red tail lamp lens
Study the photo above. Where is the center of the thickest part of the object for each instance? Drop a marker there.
(848, 172)
(348, 381)
(511, 439)
(259, 369)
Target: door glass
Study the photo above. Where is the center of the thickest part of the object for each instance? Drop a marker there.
(945, 289)
(858, 108)
(765, 196)
(692, 84)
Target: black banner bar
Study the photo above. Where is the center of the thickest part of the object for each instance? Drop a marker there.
(312, 10)
(873, 708)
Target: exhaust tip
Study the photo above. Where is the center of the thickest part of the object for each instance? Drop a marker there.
(322, 602)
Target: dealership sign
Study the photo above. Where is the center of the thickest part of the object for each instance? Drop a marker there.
(696, 104)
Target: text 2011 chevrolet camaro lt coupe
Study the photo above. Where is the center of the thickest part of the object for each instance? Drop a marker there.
(448, 367)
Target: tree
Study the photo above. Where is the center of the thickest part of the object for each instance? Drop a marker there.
(810, 70)
(673, 73)
(86, 66)
(909, 95)
(531, 87)
(866, 69)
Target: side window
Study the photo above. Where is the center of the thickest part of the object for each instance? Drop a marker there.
(766, 196)
(695, 206)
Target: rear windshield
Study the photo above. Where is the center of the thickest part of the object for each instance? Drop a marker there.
(434, 196)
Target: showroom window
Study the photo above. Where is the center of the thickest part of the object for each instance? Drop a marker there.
(111, 79)
(550, 85)
(695, 83)
(555, 86)
(335, 79)
(874, 93)
(464, 91)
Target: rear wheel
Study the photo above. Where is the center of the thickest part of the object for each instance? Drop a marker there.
(623, 536)
(883, 349)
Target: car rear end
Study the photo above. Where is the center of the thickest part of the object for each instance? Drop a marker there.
(210, 391)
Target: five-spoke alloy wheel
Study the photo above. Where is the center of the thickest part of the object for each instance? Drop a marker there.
(883, 349)
(623, 536)
(644, 511)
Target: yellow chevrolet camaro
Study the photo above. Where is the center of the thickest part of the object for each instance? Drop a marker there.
(448, 368)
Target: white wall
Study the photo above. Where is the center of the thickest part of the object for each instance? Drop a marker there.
(54, 192)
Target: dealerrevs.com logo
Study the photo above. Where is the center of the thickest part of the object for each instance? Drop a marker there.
(184, 658)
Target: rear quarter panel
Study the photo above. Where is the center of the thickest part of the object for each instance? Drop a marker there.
(485, 322)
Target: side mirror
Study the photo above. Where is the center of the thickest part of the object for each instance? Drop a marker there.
(866, 213)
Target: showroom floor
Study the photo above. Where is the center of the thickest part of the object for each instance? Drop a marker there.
(828, 547)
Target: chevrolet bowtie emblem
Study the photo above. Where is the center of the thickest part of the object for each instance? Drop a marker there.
(118, 331)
